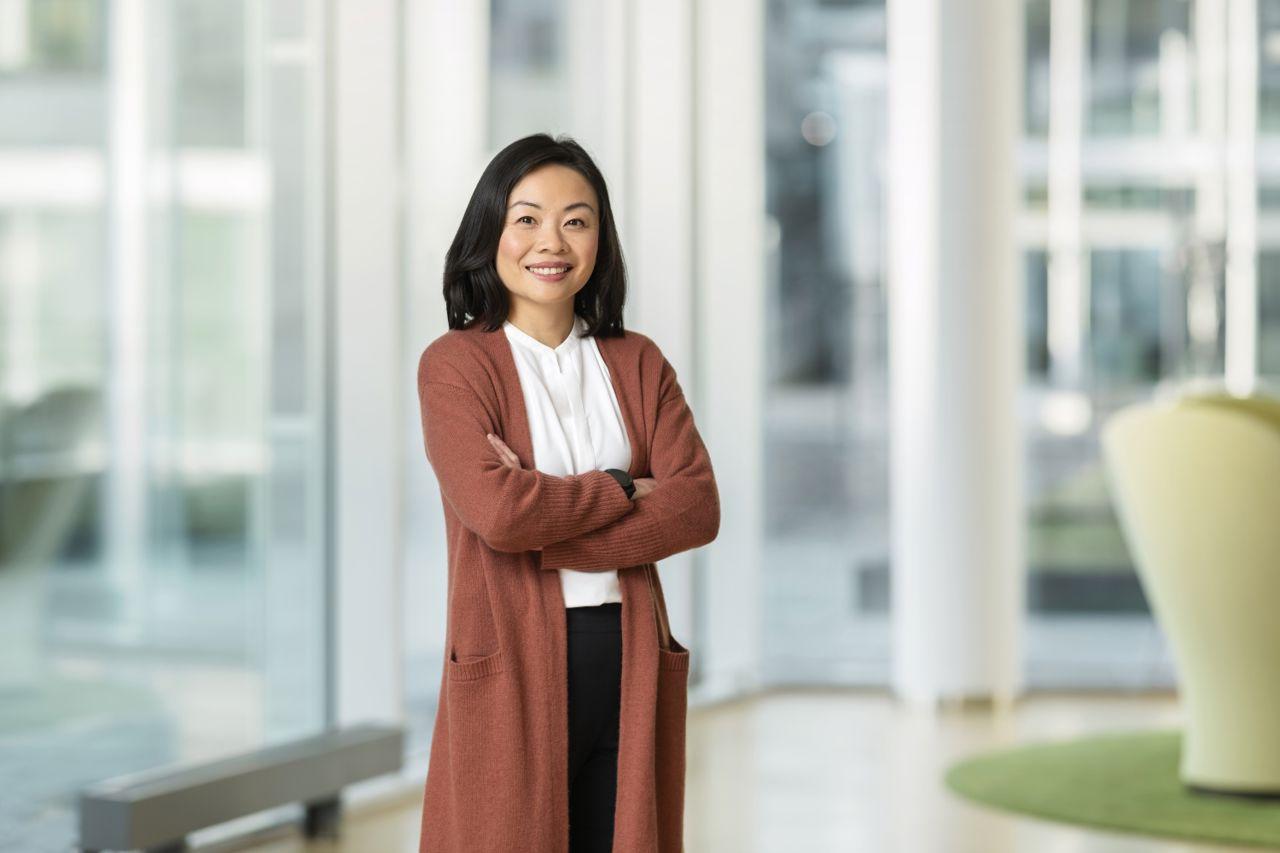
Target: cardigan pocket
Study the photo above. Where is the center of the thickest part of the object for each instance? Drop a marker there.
(473, 670)
(493, 782)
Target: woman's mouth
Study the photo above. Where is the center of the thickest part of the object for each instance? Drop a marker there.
(548, 272)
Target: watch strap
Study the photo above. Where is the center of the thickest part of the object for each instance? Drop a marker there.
(624, 480)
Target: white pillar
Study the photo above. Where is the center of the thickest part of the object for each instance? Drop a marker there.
(1068, 296)
(658, 231)
(1242, 197)
(1211, 89)
(126, 490)
(369, 387)
(288, 113)
(601, 46)
(955, 353)
(446, 86)
(1201, 313)
(729, 248)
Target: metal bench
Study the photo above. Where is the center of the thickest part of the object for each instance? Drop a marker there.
(155, 809)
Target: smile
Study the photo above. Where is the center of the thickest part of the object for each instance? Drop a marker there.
(550, 273)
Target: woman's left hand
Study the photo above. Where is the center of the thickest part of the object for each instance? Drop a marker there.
(506, 454)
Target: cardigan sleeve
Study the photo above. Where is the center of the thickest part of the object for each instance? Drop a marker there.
(510, 509)
(682, 512)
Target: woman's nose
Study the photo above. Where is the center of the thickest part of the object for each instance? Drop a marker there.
(552, 239)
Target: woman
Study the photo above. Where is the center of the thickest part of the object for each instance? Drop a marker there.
(568, 464)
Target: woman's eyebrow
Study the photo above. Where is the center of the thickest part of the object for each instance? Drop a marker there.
(568, 208)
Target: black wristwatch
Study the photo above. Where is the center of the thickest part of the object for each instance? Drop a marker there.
(624, 480)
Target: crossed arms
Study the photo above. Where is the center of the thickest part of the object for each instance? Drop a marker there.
(582, 521)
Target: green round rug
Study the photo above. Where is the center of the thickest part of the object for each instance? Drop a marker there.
(1125, 781)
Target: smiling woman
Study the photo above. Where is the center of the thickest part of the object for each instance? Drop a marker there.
(568, 463)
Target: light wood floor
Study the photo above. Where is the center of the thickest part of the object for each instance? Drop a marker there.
(840, 770)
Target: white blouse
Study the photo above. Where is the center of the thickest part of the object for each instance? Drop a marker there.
(576, 425)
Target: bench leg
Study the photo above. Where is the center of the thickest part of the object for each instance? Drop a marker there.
(324, 817)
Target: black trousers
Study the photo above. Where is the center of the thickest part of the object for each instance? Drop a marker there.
(595, 691)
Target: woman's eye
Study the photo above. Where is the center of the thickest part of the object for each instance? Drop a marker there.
(530, 218)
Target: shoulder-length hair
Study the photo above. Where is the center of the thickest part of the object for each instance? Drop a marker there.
(473, 292)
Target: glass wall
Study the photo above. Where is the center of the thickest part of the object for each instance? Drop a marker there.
(162, 535)
(1160, 206)
(1126, 295)
(826, 566)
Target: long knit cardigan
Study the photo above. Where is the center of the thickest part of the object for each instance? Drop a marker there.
(497, 776)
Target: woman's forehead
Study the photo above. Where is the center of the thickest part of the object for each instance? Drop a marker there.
(553, 185)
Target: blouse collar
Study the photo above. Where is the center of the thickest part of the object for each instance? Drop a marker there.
(518, 336)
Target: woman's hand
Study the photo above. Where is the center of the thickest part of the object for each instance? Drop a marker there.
(644, 485)
(506, 454)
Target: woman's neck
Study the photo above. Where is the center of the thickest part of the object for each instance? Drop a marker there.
(551, 331)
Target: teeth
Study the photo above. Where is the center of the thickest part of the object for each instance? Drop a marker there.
(549, 270)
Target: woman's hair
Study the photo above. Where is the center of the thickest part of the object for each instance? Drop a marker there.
(473, 291)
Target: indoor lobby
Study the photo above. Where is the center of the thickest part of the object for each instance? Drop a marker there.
(976, 305)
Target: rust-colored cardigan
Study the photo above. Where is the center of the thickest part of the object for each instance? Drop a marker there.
(497, 779)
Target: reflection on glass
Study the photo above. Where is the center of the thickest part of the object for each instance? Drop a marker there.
(827, 572)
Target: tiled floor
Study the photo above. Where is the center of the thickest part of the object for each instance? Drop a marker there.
(840, 770)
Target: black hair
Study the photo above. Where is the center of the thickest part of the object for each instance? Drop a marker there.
(473, 291)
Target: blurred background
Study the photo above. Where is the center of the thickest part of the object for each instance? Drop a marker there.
(221, 231)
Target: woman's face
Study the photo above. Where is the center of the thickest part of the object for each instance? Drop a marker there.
(552, 221)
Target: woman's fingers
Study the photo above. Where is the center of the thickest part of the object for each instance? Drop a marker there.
(506, 454)
(644, 485)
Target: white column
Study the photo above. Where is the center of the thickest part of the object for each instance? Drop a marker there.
(129, 328)
(446, 72)
(658, 233)
(446, 86)
(602, 47)
(368, 358)
(729, 248)
(288, 114)
(1242, 197)
(1068, 273)
(955, 354)
(1211, 59)
(1210, 223)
